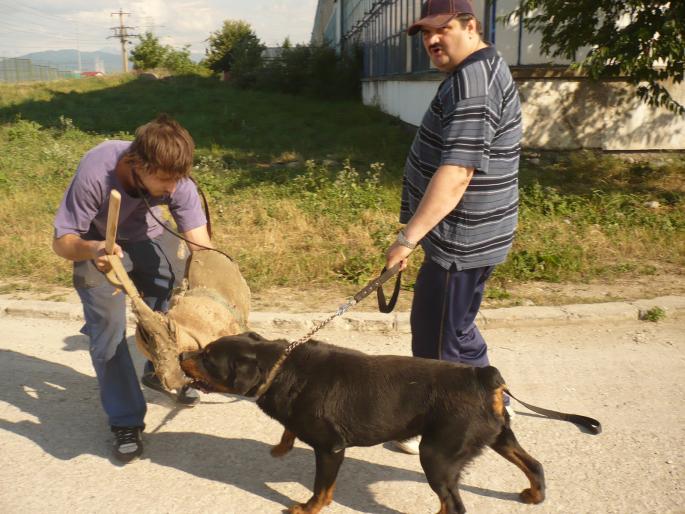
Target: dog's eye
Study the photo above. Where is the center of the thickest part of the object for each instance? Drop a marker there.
(209, 364)
(215, 367)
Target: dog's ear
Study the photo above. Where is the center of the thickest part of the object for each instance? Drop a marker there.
(246, 374)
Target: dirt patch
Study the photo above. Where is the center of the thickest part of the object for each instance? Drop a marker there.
(327, 299)
(635, 288)
(526, 293)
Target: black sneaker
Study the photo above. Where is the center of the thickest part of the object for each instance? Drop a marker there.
(127, 443)
(185, 396)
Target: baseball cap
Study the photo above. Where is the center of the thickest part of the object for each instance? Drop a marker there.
(438, 13)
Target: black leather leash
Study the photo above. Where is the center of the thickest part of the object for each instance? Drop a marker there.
(142, 193)
(373, 285)
(386, 274)
(594, 426)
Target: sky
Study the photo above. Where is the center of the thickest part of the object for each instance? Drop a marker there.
(36, 25)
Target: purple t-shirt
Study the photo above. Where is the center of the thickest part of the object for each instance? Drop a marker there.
(85, 205)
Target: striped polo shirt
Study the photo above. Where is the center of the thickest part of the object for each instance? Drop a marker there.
(474, 121)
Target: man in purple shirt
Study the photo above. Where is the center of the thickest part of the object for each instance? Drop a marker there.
(156, 164)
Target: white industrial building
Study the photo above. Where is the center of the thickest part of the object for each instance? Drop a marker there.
(561, 110)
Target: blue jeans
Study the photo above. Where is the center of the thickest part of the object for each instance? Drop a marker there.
(105, 314)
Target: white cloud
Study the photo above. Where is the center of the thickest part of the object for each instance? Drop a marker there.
(35, 25)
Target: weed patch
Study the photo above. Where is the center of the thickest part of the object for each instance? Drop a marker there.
(654, 314)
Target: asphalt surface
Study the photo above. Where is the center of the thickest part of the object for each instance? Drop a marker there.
(214, 458)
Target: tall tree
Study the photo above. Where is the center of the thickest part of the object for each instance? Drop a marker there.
(149, 53)
(179, 61)
(234, 42)
(642, 41)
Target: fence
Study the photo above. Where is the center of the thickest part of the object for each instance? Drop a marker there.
(380, 28)
(23, 70)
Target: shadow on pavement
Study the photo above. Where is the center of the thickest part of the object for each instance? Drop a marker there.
(69, 422)
(64, 402)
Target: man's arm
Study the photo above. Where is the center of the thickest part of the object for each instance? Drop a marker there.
(74, 248)
(200, 236)
(442, 195)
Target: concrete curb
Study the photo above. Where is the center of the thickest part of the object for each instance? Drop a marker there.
(508, 317)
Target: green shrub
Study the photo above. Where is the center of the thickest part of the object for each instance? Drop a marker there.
(342, 195)
(150, 54)
(654, 314)
(311, 70)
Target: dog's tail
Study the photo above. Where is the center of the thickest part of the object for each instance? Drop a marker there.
(489, 377)
(492, 382)
(591, 424)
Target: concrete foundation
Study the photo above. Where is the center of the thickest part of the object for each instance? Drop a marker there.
(558, 114)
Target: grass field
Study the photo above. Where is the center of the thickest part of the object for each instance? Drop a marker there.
(305, 193)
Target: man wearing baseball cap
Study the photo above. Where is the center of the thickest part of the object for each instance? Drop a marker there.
(460, 188)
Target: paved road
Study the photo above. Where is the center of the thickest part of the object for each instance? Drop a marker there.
(54, 442)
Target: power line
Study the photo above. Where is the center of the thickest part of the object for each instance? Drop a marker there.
(34, 12)
(19, 24)
(11, 30)
(16, 25)
(17, 20)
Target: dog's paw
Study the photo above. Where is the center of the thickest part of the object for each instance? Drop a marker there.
(285, 445)
(298, 508)
(532, 496)
(280, 450)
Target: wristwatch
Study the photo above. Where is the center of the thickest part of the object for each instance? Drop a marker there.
(403, 241)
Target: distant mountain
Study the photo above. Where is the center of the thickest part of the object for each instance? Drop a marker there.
(67, 60)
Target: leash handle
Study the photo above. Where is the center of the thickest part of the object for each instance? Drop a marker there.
(384, 306)
(594, 426)
(369, 288)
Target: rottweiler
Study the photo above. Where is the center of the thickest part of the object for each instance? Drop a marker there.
(333, 398)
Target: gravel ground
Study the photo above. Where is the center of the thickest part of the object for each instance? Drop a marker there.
(55, 443)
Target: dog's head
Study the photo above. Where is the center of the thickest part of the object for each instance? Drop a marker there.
(227, 365)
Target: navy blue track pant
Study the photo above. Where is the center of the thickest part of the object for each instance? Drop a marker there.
(444, 311)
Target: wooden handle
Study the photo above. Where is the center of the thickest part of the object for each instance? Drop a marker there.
(112, 220)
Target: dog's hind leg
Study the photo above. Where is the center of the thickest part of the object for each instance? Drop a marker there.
(327, 467)
(286, 444)
(443, 468)
(509, 448)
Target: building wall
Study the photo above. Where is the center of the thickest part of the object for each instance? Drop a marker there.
(408, 100)
(558, 114)
(325, 11)
(560, 111)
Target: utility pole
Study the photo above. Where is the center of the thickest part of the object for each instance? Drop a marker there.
(121, 33)
(78, 48)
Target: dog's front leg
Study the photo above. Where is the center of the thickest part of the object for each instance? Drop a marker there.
(286, 444)
(327, 466)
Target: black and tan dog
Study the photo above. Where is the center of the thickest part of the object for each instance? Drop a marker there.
(332, 398)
